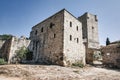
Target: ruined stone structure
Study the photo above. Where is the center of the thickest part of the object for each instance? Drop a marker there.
(64, 39)
(111, 54)
(9, 48)
(1, 43)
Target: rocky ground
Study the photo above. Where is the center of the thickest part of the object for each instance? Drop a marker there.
(52, 72)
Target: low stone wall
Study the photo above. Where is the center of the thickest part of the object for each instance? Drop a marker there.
(111, 55)
(93, 55)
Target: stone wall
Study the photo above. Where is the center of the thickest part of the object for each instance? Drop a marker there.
(9, 48)
(74, 50)
(1, 43)
(93, 55)
(111, 55)
(5, 49)
(47, 40)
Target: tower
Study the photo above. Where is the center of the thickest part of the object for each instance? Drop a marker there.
(90, 35)
(90, 30)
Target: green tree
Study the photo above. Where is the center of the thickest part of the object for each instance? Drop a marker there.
(5, 36)
(107, 41)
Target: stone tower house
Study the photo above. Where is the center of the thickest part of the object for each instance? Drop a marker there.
(90, 30)
(60, 38)
(90, 35)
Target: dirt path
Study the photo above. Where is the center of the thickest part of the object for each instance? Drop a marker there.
(42, 72)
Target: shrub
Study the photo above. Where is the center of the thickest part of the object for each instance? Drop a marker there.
(23, 54)
(2, 61)
(78, 64)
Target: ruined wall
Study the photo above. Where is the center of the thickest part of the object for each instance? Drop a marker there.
(74, 50)
(1, 43)
(16, 44)
(5, 49)
(111, 55)
(93, 55)
(9, 48)
(47, 40)
(90, 30)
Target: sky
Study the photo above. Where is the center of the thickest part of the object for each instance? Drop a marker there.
(17, 17)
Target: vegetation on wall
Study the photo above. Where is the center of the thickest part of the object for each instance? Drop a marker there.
(23, 54)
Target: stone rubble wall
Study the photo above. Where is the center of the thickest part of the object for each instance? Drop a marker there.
(47, 40)
(111, 55)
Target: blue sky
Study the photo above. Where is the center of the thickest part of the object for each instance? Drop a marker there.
(17, 17)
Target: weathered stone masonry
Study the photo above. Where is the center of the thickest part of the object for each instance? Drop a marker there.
(59, 39)
(9, 48)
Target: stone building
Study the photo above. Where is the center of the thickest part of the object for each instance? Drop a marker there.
(64, 39)
(111, 54)
(9, 48)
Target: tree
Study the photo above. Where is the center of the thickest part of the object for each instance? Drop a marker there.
(5, 36)
(23, 54)
(107, 41)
